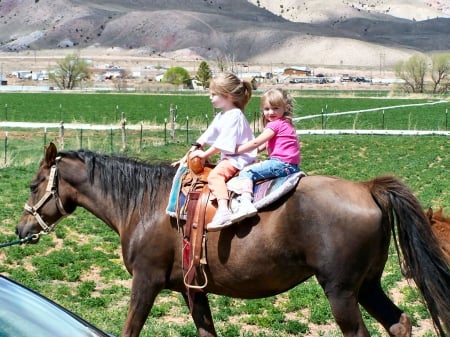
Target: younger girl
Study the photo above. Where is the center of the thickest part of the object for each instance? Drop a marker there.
(280, 140)
(228, 130)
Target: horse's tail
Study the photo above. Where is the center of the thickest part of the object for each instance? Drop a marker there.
(423, 260)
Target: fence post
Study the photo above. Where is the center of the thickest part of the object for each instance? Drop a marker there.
(187, 129)
(124, 134)
(61, 135)
(111, 139)
(173, 116)
(165, 131)
(6, 146)
(446, 119)
(141, 136)
(322, 119)
(81, 138)
(45, 136)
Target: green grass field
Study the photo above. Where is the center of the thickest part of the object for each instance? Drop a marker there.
(152, 108)
(79, 265)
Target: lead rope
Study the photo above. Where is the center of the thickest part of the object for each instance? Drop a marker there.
(21, 241)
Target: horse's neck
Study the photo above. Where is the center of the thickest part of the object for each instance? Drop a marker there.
(91, 198)
(102, 208)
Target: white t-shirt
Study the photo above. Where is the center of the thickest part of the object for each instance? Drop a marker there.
(228, 130)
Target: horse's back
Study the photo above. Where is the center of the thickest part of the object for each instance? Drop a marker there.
(336, 197)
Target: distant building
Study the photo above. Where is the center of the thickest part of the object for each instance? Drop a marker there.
(297, 71)
(23, 74)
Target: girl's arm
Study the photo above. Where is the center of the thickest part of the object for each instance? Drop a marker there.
(259, 142)
(262, 147)
(195, 147)
(204, 154)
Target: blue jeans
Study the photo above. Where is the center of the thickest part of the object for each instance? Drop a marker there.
(271, 168)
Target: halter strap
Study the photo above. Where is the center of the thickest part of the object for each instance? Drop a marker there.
(50, 191)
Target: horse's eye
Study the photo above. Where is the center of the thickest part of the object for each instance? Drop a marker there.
(34, 185)
(33, 188)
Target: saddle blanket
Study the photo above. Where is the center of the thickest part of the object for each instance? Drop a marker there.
(268, 191)
(264, 193)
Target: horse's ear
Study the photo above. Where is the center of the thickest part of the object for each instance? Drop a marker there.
(430, 213)
(50, 154)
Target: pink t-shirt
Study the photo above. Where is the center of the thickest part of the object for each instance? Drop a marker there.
(284, 145)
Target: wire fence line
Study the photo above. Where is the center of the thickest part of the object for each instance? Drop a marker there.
(122, 136)
(374, 132)
(369, 110)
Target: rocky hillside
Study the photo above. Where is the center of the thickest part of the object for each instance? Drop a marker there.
(342, 32)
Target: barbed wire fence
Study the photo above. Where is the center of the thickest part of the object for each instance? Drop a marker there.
(122, 137)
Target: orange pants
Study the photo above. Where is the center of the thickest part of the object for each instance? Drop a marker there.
(218, 177)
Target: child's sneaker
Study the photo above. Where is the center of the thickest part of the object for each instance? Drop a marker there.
(246, 210)
(221, 220)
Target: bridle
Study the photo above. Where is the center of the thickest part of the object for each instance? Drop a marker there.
(50, 192)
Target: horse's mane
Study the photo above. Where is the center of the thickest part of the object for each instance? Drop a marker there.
(126, 180)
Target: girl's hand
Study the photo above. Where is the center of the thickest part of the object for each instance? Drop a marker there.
(197, 153)
(178, 162)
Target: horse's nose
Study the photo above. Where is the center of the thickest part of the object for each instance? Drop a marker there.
(23, 233)
(21, 229)
(18, 232)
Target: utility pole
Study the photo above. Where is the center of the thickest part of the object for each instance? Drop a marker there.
(382, 61)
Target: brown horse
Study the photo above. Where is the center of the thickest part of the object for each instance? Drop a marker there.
(440, 224)
(336, 230)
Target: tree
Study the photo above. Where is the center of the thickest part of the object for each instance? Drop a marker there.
(177, 76)
(221, 63)
(204, 74)
(70, 72)
(440, 72)
(413, 73)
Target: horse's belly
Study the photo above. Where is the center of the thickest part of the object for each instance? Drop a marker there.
(256, 278)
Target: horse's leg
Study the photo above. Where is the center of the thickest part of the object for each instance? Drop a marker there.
(379, 306)
(143, 294)
(201, 314)
(344, 306)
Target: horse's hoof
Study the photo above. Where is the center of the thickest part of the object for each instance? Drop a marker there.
(402, 328)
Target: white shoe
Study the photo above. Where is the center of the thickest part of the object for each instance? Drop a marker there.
(221, 220)
(246, 210)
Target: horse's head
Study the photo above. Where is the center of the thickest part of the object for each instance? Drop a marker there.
(45, 206)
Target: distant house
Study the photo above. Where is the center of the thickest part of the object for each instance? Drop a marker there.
(23, 74)
(297, 71)
(254, 81)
